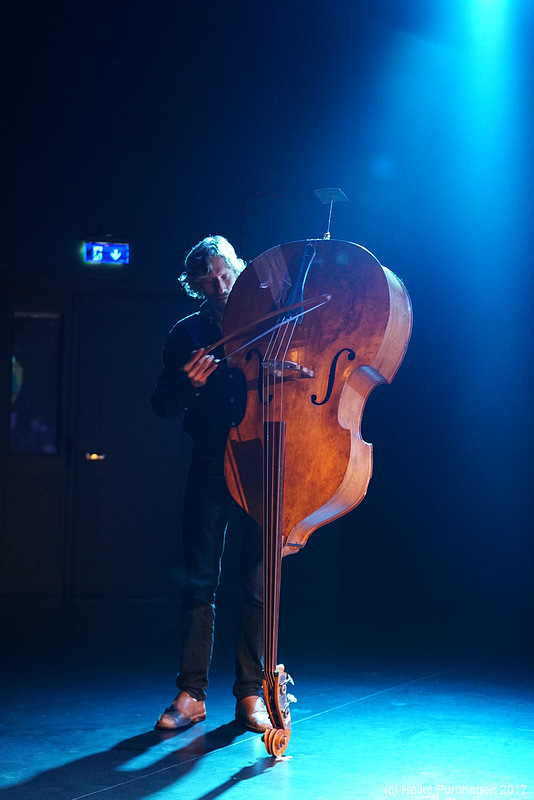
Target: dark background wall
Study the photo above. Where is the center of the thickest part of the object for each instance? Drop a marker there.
(162, 122)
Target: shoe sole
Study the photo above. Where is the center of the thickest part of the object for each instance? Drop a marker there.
(171, 727)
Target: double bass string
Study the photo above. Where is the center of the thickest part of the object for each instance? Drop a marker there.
(268, 382)
(267, 518)
(269, 396)
(275, 356)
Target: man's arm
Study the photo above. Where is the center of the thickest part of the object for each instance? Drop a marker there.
(185, 372)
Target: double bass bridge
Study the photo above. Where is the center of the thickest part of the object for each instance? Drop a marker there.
(287, 370)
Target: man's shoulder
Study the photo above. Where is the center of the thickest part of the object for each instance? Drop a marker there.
(199, 320)
(184, 337)
(190, 323)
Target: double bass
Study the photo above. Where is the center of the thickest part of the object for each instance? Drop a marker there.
(313, 326)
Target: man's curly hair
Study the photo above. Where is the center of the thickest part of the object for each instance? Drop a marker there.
(197, 264)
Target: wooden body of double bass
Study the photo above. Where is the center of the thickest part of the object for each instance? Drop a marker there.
(341, 351)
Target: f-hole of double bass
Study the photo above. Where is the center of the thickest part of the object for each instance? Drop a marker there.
(351, 355)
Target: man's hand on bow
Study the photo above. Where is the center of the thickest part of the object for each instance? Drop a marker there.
(200, 367)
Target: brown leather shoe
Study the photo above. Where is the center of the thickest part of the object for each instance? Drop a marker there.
(183, 711)
(252, 714)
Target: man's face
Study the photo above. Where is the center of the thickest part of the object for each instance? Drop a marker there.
(217, 284)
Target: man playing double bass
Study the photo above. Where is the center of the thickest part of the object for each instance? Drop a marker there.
(204, 393)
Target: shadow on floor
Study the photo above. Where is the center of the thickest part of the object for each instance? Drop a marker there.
(167, 771)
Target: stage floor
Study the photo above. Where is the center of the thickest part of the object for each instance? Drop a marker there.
(378, 715)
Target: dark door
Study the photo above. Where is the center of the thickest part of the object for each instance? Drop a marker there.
(91, 481)
(34, 445)
(130, 466)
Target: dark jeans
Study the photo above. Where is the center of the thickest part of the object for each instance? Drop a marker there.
(207, 508)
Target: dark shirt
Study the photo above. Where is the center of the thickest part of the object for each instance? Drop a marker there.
(209, 411)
